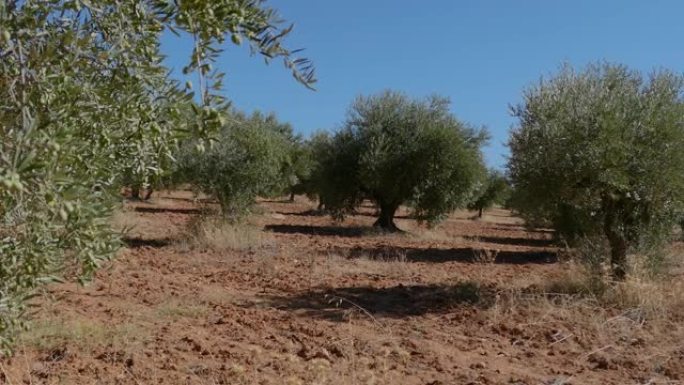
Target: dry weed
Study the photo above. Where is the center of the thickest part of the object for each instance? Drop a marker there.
(436, 234)
(175, 309)
(50, 334)
(485, 256)
(216, 296)
(602, 322)
(219, 235)
(127, 222)
(389, 264)
(658, 297)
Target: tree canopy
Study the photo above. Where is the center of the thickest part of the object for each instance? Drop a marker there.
(494, 189)
(85, 99)
(598, 152)
(394, 150)
(247, 160)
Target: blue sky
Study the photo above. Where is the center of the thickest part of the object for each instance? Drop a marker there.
(479, 53)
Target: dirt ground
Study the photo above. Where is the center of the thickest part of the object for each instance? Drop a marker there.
(301, 299)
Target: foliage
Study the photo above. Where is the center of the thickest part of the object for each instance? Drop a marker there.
(396, 151)
(297, 164)
(300, 165)
(317, 149)
(246, 161)
(493, 190)
(84, 98)
(599, 153)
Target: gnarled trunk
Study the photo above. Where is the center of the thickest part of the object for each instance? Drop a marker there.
(618, 256)
(135, 192)
(616, 240)
(385, 220)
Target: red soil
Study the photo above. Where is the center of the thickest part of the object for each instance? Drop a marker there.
(319, 302)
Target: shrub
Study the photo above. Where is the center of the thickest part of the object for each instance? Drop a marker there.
(318, 148)
(298, 169)
(493, 190)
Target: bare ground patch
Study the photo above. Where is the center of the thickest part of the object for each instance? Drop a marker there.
(296, 298)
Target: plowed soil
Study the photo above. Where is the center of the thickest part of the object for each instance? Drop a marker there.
(314, 301)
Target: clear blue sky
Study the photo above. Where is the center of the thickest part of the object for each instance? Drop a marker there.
(480, 53)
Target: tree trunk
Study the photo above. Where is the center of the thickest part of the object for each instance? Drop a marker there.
(385, 220)
(148, 193)
(479, 215)
(616, 240)
(135, 192)
(292, 196)
(618, 257)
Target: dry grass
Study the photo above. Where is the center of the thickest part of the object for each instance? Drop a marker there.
(135, 225)
(53, 333)
(125, 220)
(215, 296)
(658, 301)
(658, 297)
(333, 266)
(602, 322)
(219, 235)
(176, 308)
(435, 234)
(485, 256)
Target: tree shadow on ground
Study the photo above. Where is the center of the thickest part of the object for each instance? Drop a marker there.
(137, 243)
(375, 215)
(191, 200)
(331, 231)
(509, 227)
(307, 213)
(438, 255)
(176, 210)
(497, 215)
(321, 213)
(518, 227)
(277, 200)
(515, 241)
(399, 301)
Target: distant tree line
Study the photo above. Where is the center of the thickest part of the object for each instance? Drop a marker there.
(597, 155)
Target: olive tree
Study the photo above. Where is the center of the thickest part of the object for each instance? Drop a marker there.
(298, 169)
(492, 190)
(314, 150)
(600, 152)
(84, 97)
(395, 150)
(297, 162)
(245, 161)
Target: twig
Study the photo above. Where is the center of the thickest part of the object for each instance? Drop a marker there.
(562, 339)
(4, 373)
(366, 312)
(595, 351)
